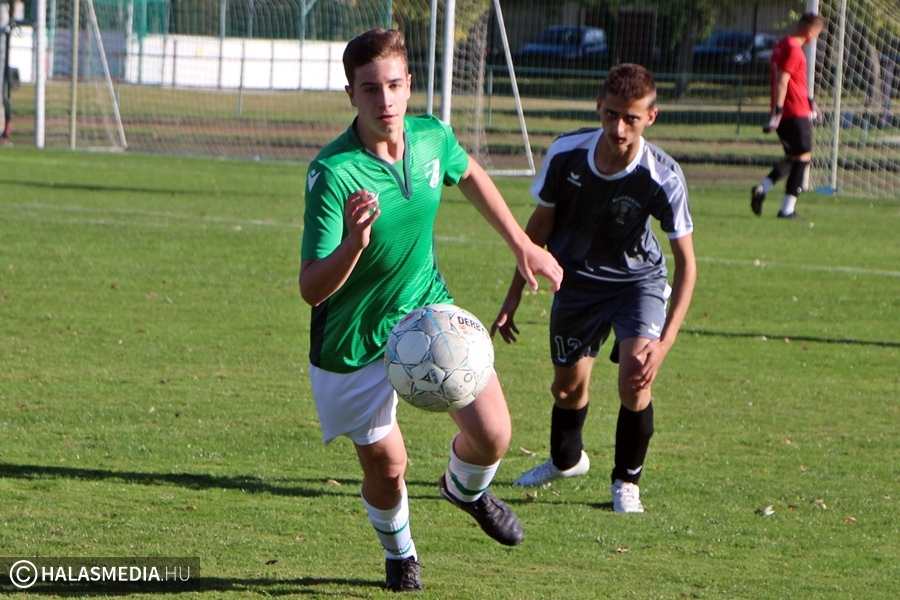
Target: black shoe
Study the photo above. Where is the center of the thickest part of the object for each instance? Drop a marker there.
(792, 215)
(757, 197)
(402, 575)
(495, 518)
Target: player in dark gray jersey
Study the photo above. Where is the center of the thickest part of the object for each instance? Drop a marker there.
(597, 192)
(601, 231)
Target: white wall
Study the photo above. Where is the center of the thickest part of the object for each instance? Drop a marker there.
(208, 62)
(20, 53)
(202, 62)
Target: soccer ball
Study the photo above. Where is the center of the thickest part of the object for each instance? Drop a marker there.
(439, 357)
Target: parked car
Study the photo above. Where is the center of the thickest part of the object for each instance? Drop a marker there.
(735, 53)
(567, 47)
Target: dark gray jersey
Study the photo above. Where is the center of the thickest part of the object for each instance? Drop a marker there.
(601, 233)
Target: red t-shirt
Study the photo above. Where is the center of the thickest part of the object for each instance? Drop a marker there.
(788, 56)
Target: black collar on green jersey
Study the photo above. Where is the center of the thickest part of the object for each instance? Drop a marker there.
(403, 181)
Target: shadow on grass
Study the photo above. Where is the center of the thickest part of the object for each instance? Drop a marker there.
(312, 488)
(93, 187)
(304, 586)
(773, 336)
(795, 338)
(195, 481)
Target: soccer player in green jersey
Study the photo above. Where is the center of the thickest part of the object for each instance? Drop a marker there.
(367, 260)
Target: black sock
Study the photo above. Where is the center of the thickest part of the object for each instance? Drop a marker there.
(565, 436)
(780, 170)
(794, 184)
(633, 433)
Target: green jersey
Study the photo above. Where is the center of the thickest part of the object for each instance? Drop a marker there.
(397, 272)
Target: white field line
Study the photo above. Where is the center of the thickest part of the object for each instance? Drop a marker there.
(757, 264)
(237, 223)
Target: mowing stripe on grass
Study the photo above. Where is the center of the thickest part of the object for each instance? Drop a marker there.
(457, 239)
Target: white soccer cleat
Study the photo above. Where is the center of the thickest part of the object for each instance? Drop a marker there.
(626, 497)
(544, 474)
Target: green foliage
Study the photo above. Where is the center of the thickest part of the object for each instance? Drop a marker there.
(154, 399)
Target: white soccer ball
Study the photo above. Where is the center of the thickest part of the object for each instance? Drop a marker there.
(439, 357)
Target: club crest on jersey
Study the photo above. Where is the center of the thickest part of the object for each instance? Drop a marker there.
(574, 178)
(432, 171)
(625, 209)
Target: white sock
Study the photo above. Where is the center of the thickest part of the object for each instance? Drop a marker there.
(767, 185)
(788, 204)
(466, 481)
(392, 527)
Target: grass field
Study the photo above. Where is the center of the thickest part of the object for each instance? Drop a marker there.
(154, 399)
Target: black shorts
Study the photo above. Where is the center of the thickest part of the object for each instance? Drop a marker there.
(796, 135)
(580, 322)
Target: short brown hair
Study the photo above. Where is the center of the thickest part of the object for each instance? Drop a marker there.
(630, 82)
(809, 22)
(372, 45)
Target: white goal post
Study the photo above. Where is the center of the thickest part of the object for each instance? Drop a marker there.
(96, 53)
(447, 82)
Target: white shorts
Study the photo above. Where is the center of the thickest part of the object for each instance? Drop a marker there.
(361, 405)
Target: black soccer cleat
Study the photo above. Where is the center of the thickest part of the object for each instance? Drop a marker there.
(493, 516)
(792, 215)
(402, 575)
(757, 197)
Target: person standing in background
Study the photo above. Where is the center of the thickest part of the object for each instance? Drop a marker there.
(791, 114)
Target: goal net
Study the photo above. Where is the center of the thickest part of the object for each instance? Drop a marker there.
(263, 78)
(82, 109)
(858, 148)
(256, 78)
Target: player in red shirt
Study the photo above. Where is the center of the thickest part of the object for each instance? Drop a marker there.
(792, 112)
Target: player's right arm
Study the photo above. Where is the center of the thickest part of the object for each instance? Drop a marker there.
(539, 228)
(779, 93)
(781, 88)
(320, 278)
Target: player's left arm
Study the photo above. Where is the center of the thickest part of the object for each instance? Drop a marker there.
(531, 259)
(683, 282)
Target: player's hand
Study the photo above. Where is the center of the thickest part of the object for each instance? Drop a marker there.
(537, 261)
(774, 121)
(815, 115)
(360, 212)
(504, 322)
(651, 358)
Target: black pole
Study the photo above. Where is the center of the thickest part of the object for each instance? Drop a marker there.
(7, 84)
(748, 72)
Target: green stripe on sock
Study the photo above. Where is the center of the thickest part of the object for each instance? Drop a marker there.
(395, 532)
(464, 489)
